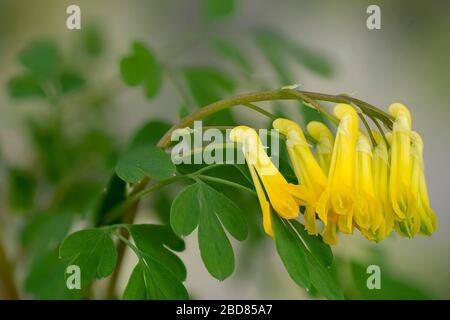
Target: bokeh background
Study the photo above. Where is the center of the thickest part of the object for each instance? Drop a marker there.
(406, 61)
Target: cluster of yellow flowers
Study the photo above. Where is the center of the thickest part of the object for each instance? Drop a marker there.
(350, 183)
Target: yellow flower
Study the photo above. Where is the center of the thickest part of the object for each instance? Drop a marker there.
(338, 196)
(306, 168)
(324, 143)
(375, 186)
(329, 230)
(381, 185)
(367, 215)
(400, 177)
(423, 218)
(267, 179)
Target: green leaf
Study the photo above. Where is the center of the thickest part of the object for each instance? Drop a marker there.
(185, 210)
(151, 281)
(41, 58)
(141, 67)
(273, 50)
(213, 9)
(215, 248)
(114, 195)
(81, 198)
(207, 85)
(232, 52)
(302, 264)
(231, 216)
(93, 41)
(292, 252)
(393, 287)
(71, 81)
(315, 244)
(46, 230)
(45, 278)
(276, 48)
(159, 273)
(51, 152)
(93, 251)
(131, 71)
(322, 278)
(162, 202)
(150, 133)
(136, 288)
(97, 145)
(245, 173)
(183, 111)
(312, 60)
(144, 161)
(25, 86)
(22, 189)
(156, 240)
(201, 205)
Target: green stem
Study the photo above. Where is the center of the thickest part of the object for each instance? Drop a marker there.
(317, 106)
(260, 110)
(369, 109)
(379, 129)
(128, 243)
(7, 282)
(225, 182)
(366, 125)
(184, 95)
(279, 94)
(136, 195)
(201, 150)
(218, 106)
(210, 167)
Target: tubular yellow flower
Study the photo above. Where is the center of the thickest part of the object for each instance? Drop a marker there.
(338, 196)
(306, 168)
(367, 216)
(381, 186)
(329, 230)
(423, 218)
(400, 177)
(427, 215)
(324, 143)
(265, 205)
(284, 199)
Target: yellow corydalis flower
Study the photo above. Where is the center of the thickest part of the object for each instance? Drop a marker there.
(329, 234)
(422, 219)
(427, 215)
(306, 168)
(267, 179)
(324, 143)
(381, 186)
(367, 215)
(400, 177)
(338, 196)
(375, 185)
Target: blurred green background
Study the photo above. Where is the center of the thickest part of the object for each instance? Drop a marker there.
(57, 153)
